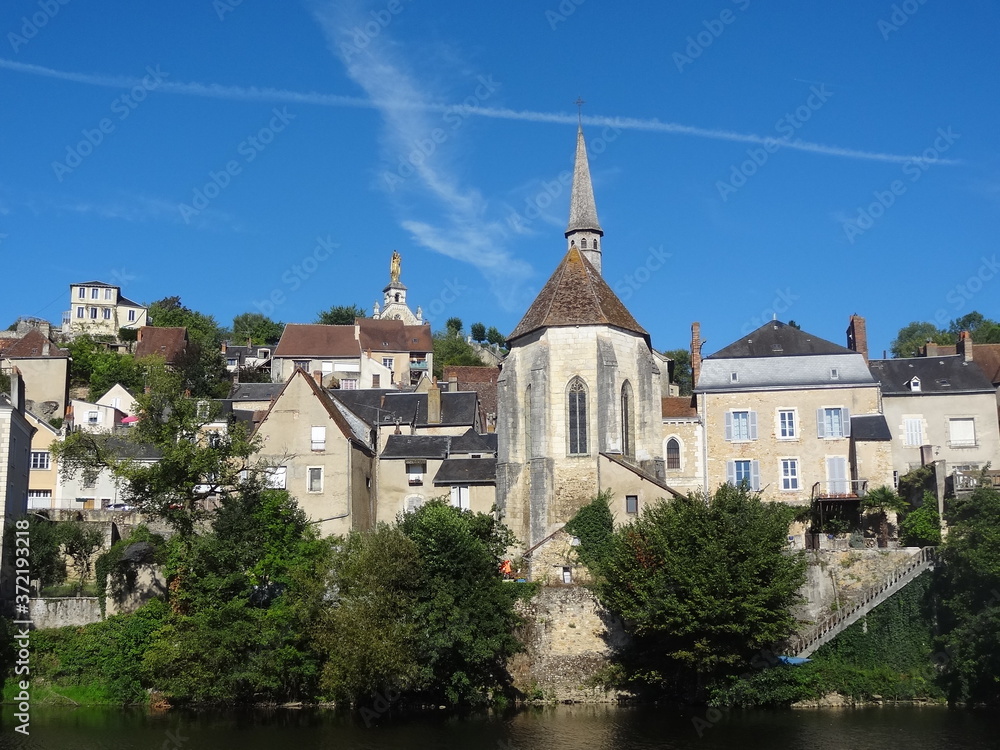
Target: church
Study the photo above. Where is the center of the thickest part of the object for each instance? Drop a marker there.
(579, 394)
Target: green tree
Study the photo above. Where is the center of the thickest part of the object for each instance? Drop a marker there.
(340, 315)
(80, 541)
(682, 373)
(982, 329)
(478, 332)
(256, 328)
(913, 336)
(969, 589)
(47, 562)
(169, 312)
(702, 584)
(496, 338)
(87, 353)
(454, 326)
(883, 501)
(452, 349)
(115, 367)
(922, 526)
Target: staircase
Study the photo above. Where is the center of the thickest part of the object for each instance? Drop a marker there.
(826, 630)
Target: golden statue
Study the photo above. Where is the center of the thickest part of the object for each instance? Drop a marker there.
(394, 267)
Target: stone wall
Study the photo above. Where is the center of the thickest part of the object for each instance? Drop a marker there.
(835, 578)
(59, 612)
(568, 640)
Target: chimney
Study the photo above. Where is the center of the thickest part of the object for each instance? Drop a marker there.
(17, 390)
(696, 344)
(453, 384)
(964, 346)
(857, 336)
(930, 349)
(434, 404)
(318, 377)
(45, 348)
(224, 343)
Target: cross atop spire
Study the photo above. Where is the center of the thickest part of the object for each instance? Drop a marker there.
(579, 110)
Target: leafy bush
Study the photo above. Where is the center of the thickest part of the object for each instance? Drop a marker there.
(922, 526)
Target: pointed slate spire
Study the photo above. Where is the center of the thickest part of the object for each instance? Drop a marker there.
(582, 208)
(584, 231)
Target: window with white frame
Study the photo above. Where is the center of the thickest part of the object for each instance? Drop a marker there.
(314, 479)
(913, 427)
(95, 293)
(415, 473)
(741, 426)
(131, 316)
(787, 429)
(79, 312)
(327, 367)
(744, 471)
(631, 504)
(789, 474)
(274, 477)
(317, 438)
(93, 417)
(387, 362)
(93, 313)
(349, 384)
(109, 293)
(962, 432)
(107, 313)
(82, 292)
(833, 422)
(40, 460)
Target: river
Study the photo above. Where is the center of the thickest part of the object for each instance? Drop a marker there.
(554, 728)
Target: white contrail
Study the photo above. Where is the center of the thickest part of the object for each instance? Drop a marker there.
(242, 93)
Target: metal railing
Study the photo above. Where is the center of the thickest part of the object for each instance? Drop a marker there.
(827, 629)
(968, 481)
(840, 488)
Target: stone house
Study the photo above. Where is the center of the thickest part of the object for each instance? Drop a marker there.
(793, 415)
(940, 408)
(101, 310)
(15, 461)
(683, 443)
(44, 369)
(322, 454)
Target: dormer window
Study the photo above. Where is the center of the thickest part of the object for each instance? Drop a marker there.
(915, 384)
(734, 377)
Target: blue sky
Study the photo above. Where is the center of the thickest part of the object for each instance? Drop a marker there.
(811, 161)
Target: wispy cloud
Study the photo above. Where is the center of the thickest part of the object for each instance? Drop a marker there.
(385, 99)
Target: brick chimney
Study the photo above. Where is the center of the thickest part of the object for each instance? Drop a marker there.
(696, 344)
(964, 346)
(434, 404)
(317, 377)
(453, 384)
(857, 336)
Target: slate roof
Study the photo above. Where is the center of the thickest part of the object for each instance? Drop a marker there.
(776, 339)
(482, 380)
(167, 342)
(315, 340)
(576, 295)
(677, 406)
(473, 442)
(122, 300)
(380, 404)
(416, 446)
(467, 471)
(94, 283)
(987, 356)
(33, 344)
(870, 428)
(938, 375)
(255, 391)
(582, 207)
(392, 335)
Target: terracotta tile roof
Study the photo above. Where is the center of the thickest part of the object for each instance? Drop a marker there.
(482, 380)
(313, 339)
(392, 335)
(34, 344)
(678, 406)
(576, 295)
(168, 342)
(987, 356)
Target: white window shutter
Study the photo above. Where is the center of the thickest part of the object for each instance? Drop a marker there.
(845, 414)
(753, 425)
(729, 425)
(820, 423)
(755, 476)
(731, 472)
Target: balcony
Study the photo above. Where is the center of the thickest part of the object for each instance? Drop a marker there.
(967, 481)
(840, 489)
(418, 364)
(67, 318)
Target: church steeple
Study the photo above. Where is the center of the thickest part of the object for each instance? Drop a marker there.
(584, 231)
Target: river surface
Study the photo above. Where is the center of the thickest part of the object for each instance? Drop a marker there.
(555, 728)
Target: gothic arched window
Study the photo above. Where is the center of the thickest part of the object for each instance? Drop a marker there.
(583, 243)
(595, 244)
(577, 417)
(628, 421)
(673, 454)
